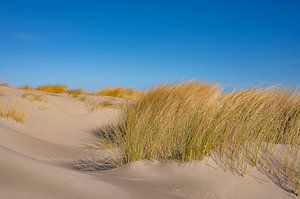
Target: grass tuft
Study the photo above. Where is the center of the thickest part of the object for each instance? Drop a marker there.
(12, 112)
(120, 92)
(76, 92)
(95, 106)
(57, 88)
(25, 87)
(33, 96)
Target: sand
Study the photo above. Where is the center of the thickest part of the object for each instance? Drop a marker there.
(37, 160)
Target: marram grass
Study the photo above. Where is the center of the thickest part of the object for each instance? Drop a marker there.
(56, 88)
(12, 112)
(120, 92)
(189, 121)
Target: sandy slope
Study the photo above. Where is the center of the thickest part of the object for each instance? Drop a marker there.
(36, 159)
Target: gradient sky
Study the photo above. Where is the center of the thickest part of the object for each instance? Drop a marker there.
(95, 44)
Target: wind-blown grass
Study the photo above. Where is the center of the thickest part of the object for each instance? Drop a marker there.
(12, 112)
(190, 121)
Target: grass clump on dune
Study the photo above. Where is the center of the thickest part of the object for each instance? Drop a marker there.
(95, 106)
(25, 88)
(76, 92)
(120, 92)
(167, 123)
(190, 121)
(57, 88)
(33, 96)
(12, 112)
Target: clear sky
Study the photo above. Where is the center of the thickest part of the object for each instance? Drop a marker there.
(95, 44)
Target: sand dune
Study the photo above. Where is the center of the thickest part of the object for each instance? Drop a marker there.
(36, 160)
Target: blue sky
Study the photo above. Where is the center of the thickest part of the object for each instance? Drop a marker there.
(96, 44)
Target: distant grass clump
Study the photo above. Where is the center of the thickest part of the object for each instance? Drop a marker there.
(95, 106)
(12, 112)
(191, 121)
(36, 96)
(57, 88)
(33, 96)
(76, 92)
(120, 92)
(25, 88)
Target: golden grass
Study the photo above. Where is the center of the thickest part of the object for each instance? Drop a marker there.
(190, 121)
(12, 112)
(120, 92)
(25, 87)
(57, 88)
(166, 123)
(76, 92)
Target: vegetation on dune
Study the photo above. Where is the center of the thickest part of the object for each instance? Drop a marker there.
(76, 92)
(57, 88)
(95, 106)
(190, 121)
(12, 112)
(33, 96)
(120, 92)
(156, 126)
(25, 87)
